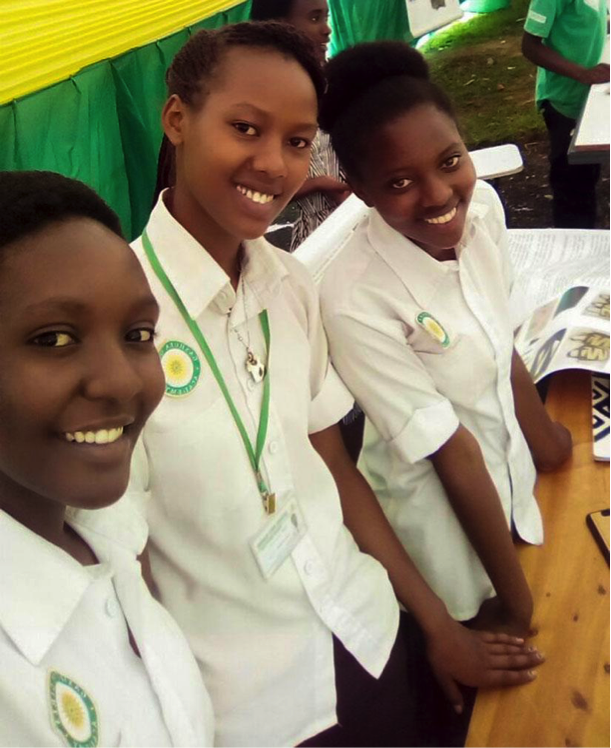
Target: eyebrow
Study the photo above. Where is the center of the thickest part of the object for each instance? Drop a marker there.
(401, 169)
(68, 305)
(313, 125)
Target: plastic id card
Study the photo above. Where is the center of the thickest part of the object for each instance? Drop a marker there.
(278, 538)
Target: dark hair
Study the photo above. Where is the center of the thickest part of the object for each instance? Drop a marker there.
(195, 64)
(32, 200)
(368, 86)
(270, 10)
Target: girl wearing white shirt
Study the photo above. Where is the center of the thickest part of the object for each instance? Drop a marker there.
(241, 471)
(416, 309)
(87, 656)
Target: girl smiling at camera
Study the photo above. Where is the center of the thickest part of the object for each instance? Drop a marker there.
(416, 308)
(242, 470)
(87, 656)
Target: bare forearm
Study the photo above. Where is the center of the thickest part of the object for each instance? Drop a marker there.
(320, 184)
(473, 496)
(549, 443)
(373, 534)
(545, 57)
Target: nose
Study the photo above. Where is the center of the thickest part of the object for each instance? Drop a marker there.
(326, 30)
(435, 192)
(111, 375)
(270, 158)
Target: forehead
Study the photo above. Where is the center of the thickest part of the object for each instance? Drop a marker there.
(266, 79)
(75, 257)
(414, 137)
(304, 7)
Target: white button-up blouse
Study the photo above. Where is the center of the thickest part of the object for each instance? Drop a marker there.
(68, 675)
(415, 392)
(264, 646)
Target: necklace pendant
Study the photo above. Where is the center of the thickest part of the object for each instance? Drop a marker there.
(269, 503)
(255, 367)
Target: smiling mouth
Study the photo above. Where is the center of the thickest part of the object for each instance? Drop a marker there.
(100, 437)
(257, 197)
(446, 218)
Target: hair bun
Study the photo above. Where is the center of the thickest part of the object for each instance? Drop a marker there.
(360, 68)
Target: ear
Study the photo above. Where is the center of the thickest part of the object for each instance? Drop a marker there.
(173, 118)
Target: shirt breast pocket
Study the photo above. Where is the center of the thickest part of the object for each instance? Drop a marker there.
(432, 338)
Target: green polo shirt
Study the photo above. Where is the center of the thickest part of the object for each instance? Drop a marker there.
(576, 30)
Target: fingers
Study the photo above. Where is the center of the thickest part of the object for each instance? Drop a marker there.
(491, 638)
(505, 678)
(452, 692)
(523, 661)
(508, 649)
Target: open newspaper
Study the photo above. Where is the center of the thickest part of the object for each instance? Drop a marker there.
(560, 305)
(560, 301)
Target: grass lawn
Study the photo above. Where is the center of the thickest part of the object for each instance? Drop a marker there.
(480, 65)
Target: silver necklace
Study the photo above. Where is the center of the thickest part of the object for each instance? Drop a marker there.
(254, 364)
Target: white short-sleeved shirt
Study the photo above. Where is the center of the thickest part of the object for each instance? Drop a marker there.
(264, 647)
(67, 670)
(415, 391)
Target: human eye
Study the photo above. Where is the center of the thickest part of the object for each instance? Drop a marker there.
(316, 16)
(53, 339)
(300, 143)
(141, 335)
(452, 162)
(401, 184)
(245, 128)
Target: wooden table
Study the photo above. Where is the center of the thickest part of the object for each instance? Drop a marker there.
(590, 142)
(568, 703)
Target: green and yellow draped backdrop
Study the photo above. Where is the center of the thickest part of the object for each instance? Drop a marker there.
(82, 82)
(82, 85)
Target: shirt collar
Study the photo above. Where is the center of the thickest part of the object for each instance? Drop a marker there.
(40, 587)
(418, 271)
(199, 279)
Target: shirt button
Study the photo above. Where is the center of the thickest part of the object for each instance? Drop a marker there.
(273, 447)
(111, 608)
(308, 568)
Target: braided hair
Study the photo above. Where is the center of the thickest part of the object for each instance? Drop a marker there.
(195, 65)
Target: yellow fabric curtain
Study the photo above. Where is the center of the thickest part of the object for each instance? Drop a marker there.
(46, 41)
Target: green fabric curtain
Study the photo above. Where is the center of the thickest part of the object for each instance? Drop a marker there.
(102, 125)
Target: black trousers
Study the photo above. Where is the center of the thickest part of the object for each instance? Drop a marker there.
(573, 185)
(370, 711)
(405, 707)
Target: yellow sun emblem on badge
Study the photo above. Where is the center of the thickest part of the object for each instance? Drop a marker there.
(72, 709)
(181, 367)
(434, 329)
(175, 367)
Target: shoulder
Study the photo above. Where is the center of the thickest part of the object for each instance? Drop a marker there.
(348, 271)
(486, 208)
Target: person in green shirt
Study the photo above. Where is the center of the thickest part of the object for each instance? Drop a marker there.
(565, 39)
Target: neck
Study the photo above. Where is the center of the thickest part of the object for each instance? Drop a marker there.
(43, 516)
(224, 248)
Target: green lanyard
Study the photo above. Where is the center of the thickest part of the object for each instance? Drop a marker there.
(254, 455)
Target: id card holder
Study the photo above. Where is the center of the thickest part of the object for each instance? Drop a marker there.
(278, 538)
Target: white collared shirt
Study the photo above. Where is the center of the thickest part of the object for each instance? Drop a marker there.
(64, 639)
(265, 647)
(415, 392)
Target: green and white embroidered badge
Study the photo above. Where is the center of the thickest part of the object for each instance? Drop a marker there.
(181, 367)
(434, 328)
(73, 713)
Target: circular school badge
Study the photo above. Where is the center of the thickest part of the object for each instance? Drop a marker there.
(181, 367)
(73, 713)
(434, 328)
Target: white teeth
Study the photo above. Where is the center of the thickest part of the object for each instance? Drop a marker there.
(442, 219)
(256, 197)
(103, 436)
